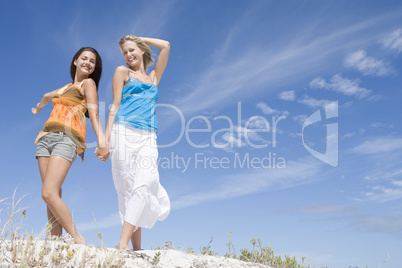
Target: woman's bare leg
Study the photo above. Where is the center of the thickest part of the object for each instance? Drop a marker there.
(126, 234)
(56, 230)
(56, 173)
(136, 239)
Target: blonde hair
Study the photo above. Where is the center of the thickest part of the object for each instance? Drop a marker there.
(147, 56)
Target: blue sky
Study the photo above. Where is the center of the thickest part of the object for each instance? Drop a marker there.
(278, 120)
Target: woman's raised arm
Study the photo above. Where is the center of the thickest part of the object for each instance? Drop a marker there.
(164, 47)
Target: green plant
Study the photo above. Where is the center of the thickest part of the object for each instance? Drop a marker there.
(207, 250)
(264, 255)
(168, 245)
(156, 258)
(230, 246)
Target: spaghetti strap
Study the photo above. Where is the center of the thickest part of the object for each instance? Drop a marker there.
(64, 89)
(151, 80)
(128, 70)
(131, 76)
(82, 82)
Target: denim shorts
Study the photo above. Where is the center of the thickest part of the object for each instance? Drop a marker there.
(57, 143)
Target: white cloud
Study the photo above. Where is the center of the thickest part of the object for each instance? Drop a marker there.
(312, 102)
(276, 65)
(300, 118)
(288, 95)
(233, 140)
(390, 186)
(384, 194)
(341, 85)
(318, 83)
(77, 36)
(367, 65)
(392, 174)
(257, 122)
(251, 134)
(377, 125)
(397, 183)
(378, 145)
(385, 174)
(245, 136)
(381, 125)
(268, 110)
(387, 224)
(321, 209)
(393, 41)
(265, 108)
(257, 180)
(348, 135)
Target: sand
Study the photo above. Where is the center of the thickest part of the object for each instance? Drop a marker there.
(35, 252)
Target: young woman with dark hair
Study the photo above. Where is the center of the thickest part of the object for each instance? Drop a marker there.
(63, 136)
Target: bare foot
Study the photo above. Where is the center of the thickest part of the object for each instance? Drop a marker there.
(55, 237)
(79, 239)
(123, 247)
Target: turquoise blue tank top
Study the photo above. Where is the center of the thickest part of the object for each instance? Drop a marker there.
(138, 105)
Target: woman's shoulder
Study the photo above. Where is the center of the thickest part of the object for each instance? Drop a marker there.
(121, 73)
(88, 82)
(122, 68)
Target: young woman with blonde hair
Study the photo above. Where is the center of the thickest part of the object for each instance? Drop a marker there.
(131, 128)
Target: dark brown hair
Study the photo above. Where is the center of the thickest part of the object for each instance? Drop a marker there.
(97, 73)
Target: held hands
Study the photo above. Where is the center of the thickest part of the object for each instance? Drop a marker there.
(102, 153)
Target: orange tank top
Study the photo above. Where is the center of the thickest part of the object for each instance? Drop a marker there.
(68, 115)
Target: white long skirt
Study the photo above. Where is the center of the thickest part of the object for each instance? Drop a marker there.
(134, 154)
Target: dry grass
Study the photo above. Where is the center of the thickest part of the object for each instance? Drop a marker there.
(21, 249)
(18, 248)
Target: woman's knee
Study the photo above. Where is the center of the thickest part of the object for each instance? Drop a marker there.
(49, 195)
